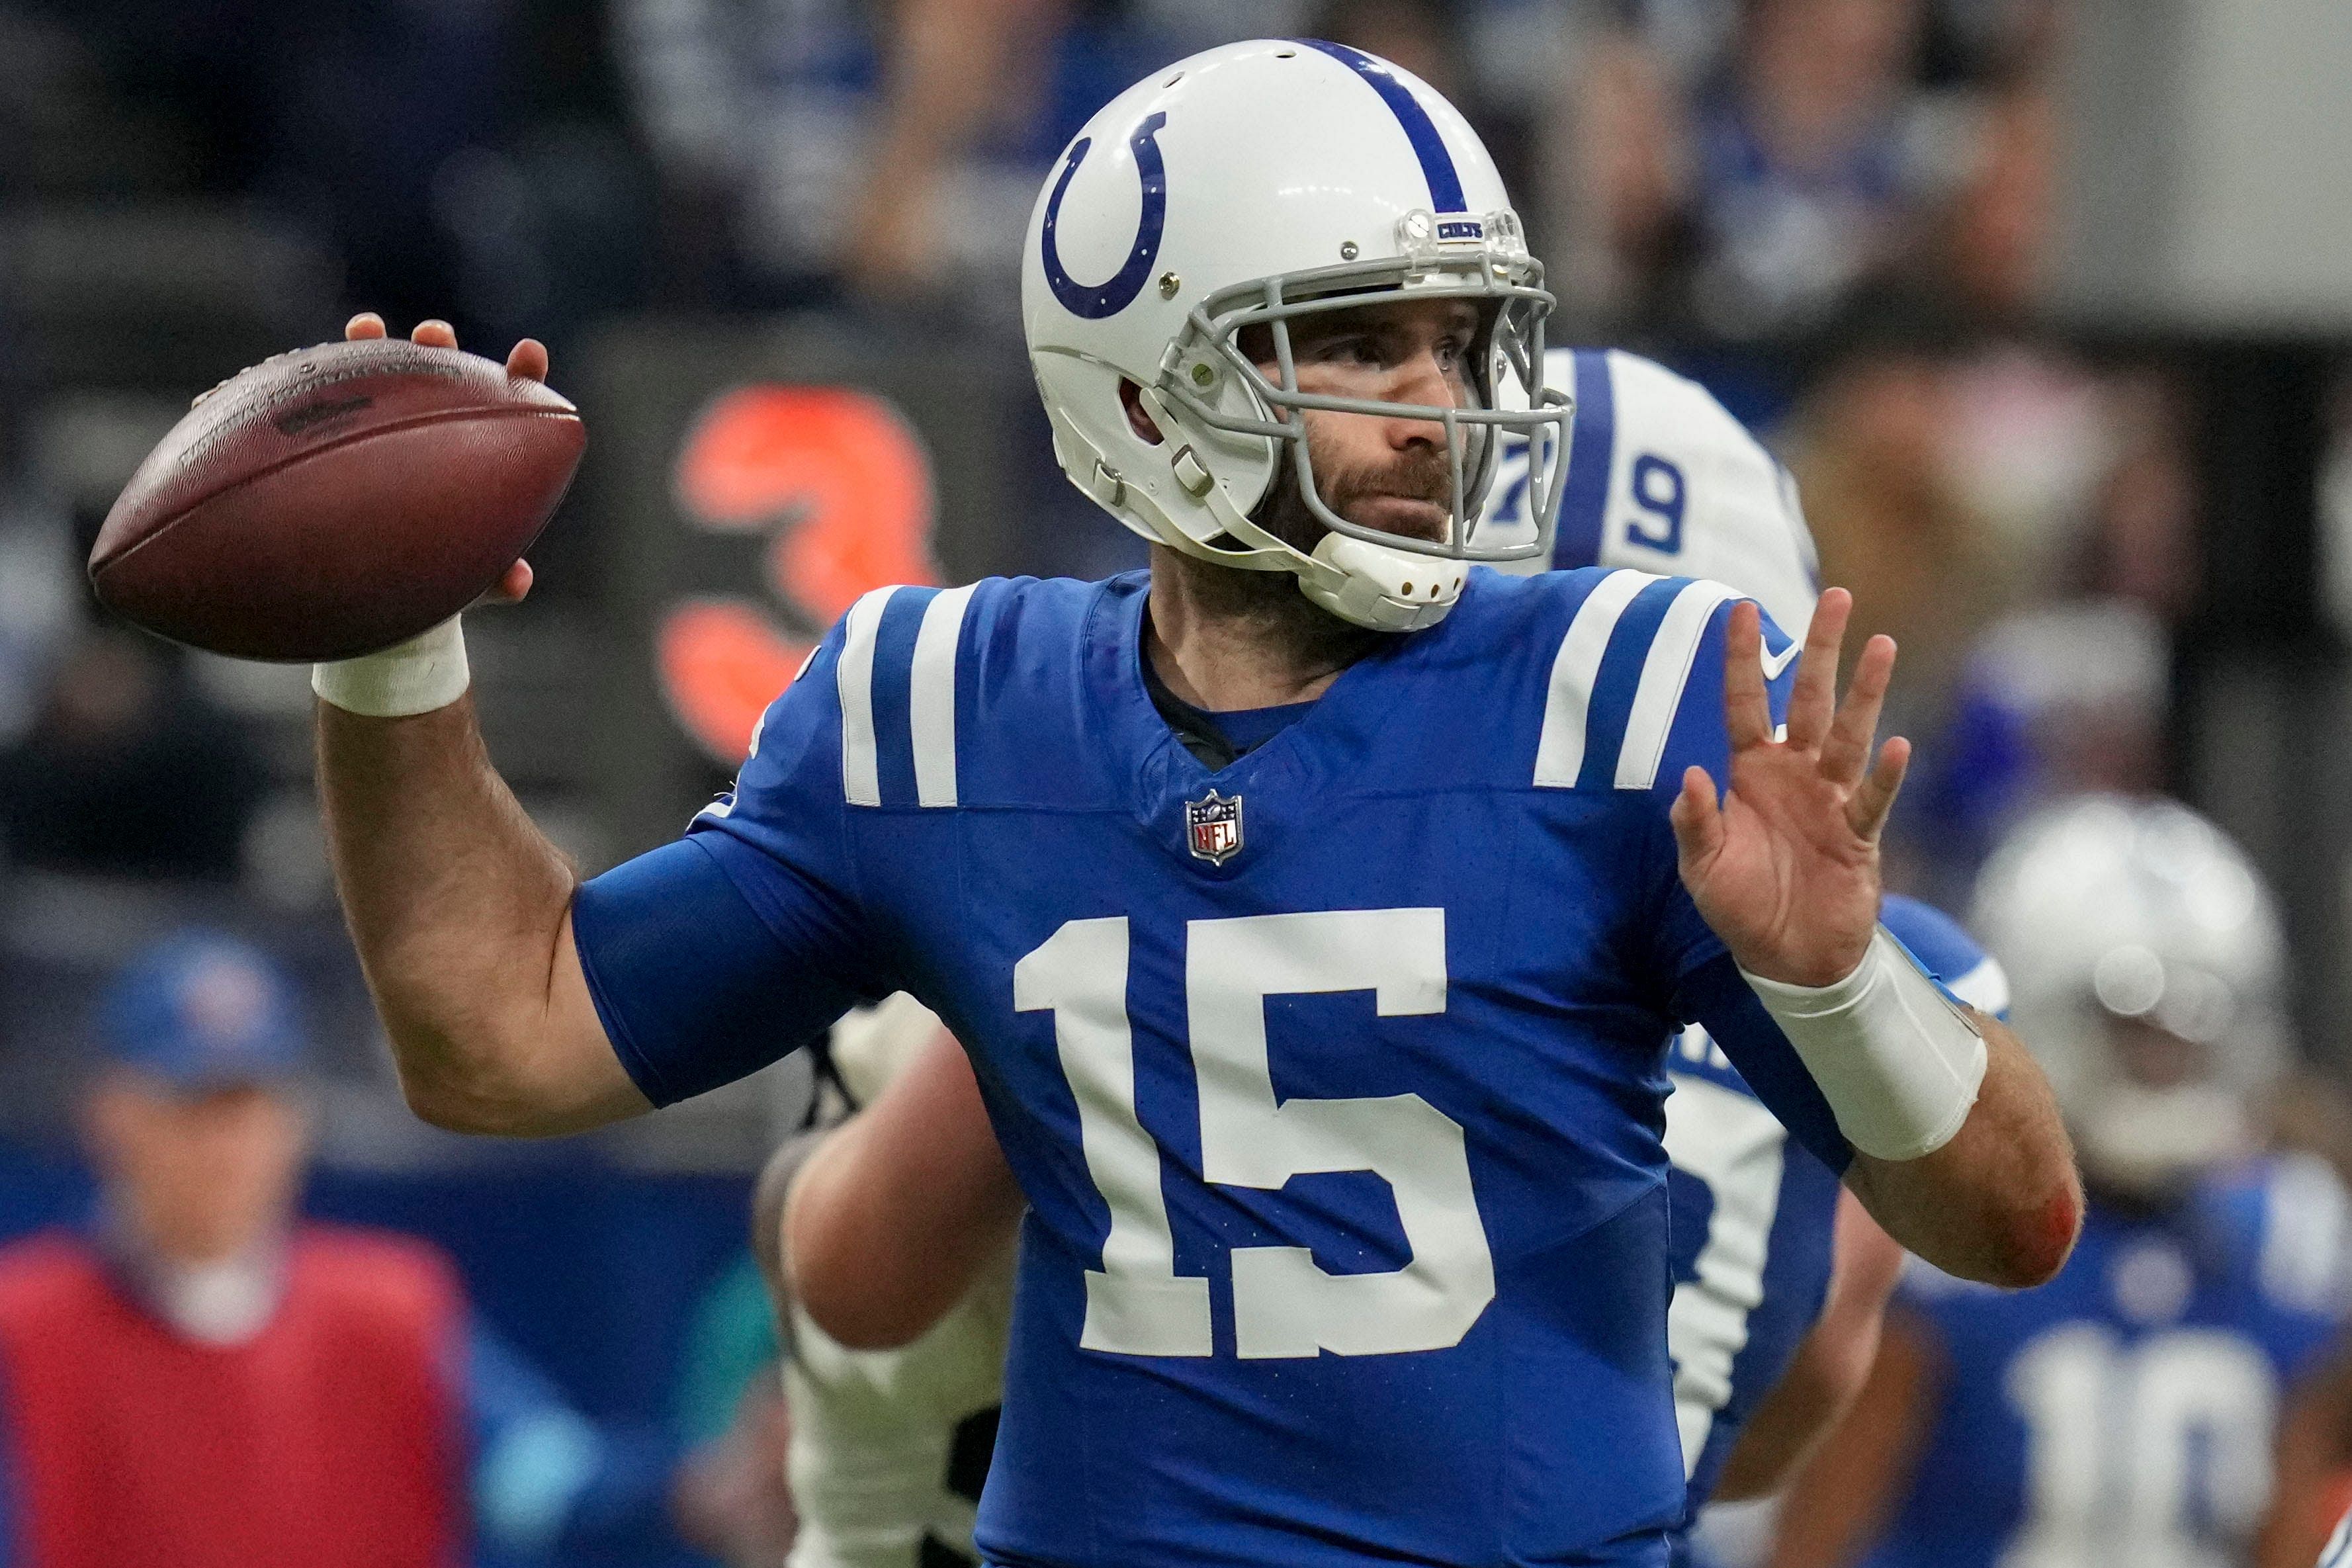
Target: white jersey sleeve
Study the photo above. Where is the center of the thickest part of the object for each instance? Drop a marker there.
(871, 1045)
(889, 1447)
(875, 1447)
(1661, 478)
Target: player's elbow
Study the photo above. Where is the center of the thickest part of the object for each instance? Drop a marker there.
(2023, 1240)
(2019, 1268)
(2010, 1222)
(856, 1297)
(455, 1106)
(856, 1274)
(476, 1094)
(2002, 1196)
(2035, 1225)
(863, 1309)
(2041, 1238)
(864, 1324)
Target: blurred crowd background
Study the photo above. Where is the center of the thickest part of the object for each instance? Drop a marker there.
(773, 246)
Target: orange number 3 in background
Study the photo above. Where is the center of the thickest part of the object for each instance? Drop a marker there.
(841, 483)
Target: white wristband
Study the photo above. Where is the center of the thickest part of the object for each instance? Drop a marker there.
(1897, 1062)
(415, 677)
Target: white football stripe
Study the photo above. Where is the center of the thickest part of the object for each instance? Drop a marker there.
(861, 780)
(1559, 753)
(1774, 663)
(1664, 675)
(931, 698)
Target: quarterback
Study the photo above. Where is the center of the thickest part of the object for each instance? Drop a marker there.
(1332, 1074)
(895, 1221)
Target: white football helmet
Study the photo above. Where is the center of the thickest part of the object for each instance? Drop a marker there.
(1663, 477)
(1253, 185)
(2105, 911)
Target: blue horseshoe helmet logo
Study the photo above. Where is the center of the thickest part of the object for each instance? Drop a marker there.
(1109, 298)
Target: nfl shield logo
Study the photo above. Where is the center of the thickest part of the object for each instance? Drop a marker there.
(1214, 828)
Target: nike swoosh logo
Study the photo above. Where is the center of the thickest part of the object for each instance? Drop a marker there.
(1775, 663)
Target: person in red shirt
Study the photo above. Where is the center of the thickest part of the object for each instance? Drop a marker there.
(201, 1378)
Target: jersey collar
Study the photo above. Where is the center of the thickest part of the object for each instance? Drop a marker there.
(1329, 749)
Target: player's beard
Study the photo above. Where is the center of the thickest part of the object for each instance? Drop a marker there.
(1419, 473)
(1270, 603)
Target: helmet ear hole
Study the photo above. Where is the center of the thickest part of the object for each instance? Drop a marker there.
(1139, 418)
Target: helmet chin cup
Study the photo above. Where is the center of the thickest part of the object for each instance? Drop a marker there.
(1385, 590)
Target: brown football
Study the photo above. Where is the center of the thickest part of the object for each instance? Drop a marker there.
(336, 501)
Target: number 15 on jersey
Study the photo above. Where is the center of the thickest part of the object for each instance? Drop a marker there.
(1285, 1303)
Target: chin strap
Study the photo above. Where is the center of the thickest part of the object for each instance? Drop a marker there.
(1387, 590)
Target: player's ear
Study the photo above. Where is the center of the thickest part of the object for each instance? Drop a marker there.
(1131, 397)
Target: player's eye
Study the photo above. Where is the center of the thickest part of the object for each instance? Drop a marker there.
(1343, 348)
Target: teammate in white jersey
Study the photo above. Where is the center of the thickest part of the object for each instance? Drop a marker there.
(889, 1447)
(1661, 478)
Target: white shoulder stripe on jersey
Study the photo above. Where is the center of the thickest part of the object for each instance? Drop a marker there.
(2338, 1553)
(1985, 988)
(861, 778)
(1664, 675)
(1559, 753)
(931, 698)
(2305, 1220)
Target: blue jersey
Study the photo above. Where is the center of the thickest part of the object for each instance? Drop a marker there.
(1335, 1079)
(2125, 1411)
(1755, 1213)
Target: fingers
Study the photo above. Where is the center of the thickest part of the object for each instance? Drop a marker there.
(1867, 810)
(511, 587)
(1698, 826)
(527, 361)
(1814, 698)
(1746, 705)
(1845, 751)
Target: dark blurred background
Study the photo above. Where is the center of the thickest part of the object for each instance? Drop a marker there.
(2027, 293)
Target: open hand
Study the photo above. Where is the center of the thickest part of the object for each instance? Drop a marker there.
(1786, 871)
(527, 359)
